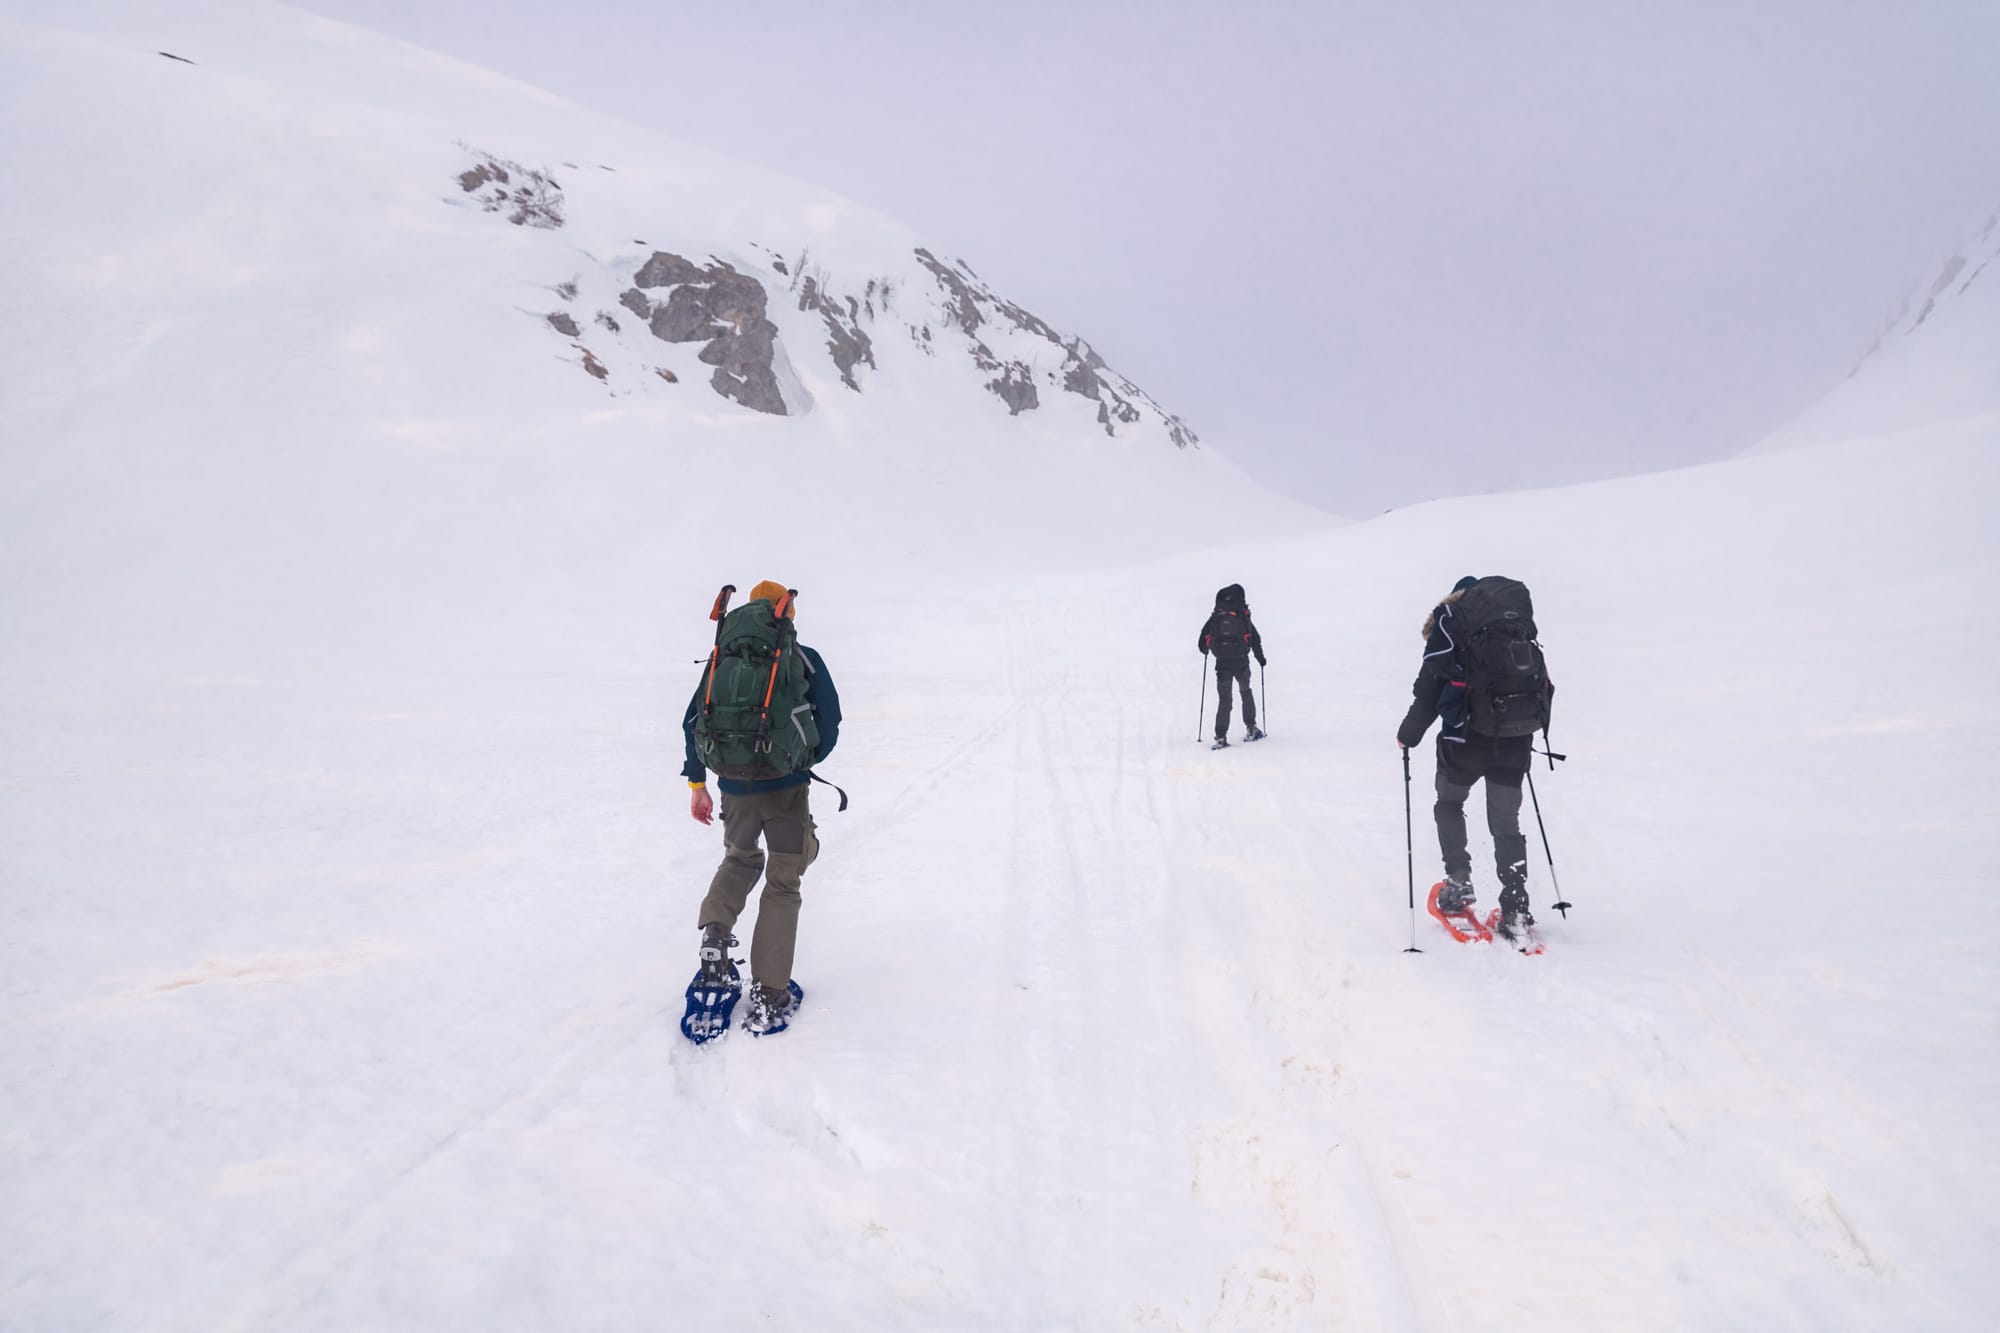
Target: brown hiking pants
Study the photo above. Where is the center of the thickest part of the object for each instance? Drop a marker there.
(784, 820)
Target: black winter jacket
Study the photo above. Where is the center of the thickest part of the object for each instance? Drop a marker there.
(1439, 694)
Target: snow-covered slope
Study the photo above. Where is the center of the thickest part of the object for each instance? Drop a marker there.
(266, 344)
(348, 887)
(1938, 360)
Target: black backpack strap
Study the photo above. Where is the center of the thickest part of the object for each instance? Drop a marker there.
(824, 783)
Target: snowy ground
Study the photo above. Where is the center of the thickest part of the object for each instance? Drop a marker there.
(348, 888)
(347, 1000)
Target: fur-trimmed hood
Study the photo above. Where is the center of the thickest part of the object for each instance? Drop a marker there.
(1431, 620)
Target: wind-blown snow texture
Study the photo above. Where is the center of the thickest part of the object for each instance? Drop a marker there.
(349, 890)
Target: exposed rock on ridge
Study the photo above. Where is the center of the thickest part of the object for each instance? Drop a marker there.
(945, 307)
(846, 341)
(529, 198)
(722, 306)
(971, 306)
(1977, 255)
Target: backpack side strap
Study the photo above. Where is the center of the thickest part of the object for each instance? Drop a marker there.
(824, 783)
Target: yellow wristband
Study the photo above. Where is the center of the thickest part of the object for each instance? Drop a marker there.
(697, 785)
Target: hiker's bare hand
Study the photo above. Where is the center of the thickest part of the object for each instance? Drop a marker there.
(701, 805)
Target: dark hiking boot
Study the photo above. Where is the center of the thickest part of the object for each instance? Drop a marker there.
(1455, 895)
(716, 967)
(771, 1011)
(1254, 734)
(1221, 743)
(1515, 917)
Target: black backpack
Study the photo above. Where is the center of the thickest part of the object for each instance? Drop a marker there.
(1227, 633)
(1507, 681)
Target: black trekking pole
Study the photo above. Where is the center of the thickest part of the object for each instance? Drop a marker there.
(1410, 852)
(1265, 691)
(1560, 905)
(1201, 709)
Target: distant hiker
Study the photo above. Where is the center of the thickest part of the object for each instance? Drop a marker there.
(1233, 638)
(1484, 678)
(764, 712)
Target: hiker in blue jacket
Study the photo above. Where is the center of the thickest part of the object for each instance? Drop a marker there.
(778, 811)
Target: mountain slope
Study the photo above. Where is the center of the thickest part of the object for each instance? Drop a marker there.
(259, 285)
(1937, 362)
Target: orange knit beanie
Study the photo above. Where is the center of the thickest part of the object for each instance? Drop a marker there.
(771, 592)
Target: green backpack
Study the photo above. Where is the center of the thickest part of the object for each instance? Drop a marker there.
(754, 723)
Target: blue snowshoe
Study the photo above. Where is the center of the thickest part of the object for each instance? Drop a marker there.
(712, 995)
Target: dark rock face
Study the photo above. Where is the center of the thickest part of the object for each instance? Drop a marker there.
(845, 340)
(667, 270)
(1084, 373)
(960, 303)
(529, 198)
(971, 306)
(726, 311)
(1016, 388)
(721, 307)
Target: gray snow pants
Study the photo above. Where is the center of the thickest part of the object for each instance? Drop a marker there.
(1503, 821)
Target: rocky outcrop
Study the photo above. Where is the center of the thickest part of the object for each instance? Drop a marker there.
(947, 309)
(529, 198)
(846, 341)
(1085, 374)
(986, 318)
(684, 302)
(1970, 261)
(1015, 386)
(961, 304)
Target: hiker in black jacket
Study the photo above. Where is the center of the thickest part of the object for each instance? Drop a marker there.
(1465, 756)
(1233, 638)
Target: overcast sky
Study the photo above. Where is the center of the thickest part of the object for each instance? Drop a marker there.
(1376, 252)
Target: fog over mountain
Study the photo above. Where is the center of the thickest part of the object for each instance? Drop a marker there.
(1377, 253)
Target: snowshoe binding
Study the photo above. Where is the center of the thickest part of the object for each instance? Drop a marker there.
(712, 995)
(1515, 922)
(771, 1012)
(1450, 901)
